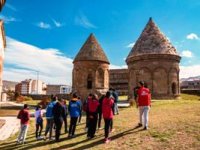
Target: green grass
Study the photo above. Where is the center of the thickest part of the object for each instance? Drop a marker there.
(174, 124)
(32, 102)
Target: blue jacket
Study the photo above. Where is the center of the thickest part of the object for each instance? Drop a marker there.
(49, 110)
(74, 108)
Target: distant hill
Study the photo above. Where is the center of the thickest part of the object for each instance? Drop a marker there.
(190, 78)
(9, 85)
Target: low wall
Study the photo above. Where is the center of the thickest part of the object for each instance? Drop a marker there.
(193, 92)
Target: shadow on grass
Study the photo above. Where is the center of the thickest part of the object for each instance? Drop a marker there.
(101, 141)
(31, 144)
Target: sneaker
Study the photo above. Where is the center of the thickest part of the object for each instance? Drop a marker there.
(52, 138)
(44, 138)
(145, 128)
(73, 136)
(69, 136)
(107, 140)
(139, 125)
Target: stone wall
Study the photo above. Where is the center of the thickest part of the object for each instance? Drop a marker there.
(90, 77)
(119, 80)
(161, 73)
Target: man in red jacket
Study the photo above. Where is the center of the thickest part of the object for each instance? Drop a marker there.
(143, 101)
(24, 117)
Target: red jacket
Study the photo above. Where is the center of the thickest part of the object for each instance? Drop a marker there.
(144, 97)
(107, 108)
(24, 116)
(93, 105)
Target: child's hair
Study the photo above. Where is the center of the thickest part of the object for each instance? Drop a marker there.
(108, 94)
(37, 107)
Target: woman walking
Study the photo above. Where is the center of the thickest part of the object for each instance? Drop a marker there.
(107, 111)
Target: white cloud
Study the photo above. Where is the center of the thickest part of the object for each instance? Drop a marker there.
(22, 60)
(192, 36)
(189, 71)
(43, 25)
(10, 7)
(8, 19)
(118, 67)
(130, 45)
(187, 53)
(57, 24)
(83, 21)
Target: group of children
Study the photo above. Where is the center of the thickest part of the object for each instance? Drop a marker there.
(57, 112)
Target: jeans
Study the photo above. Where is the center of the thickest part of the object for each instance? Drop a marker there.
(116, 109)
(92, 125)
(72, 126)
(144, 112)
(22, 133)
(58, 123)
(49, 127)
(107, 127)
(39, 126)
(99, 119)
(65, 123)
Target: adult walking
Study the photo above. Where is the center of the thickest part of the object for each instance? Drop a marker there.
(24, 117)
(49, 118)
(64, 104)
(58, 115)
(107, 111)
(93, 107)
(115, 95)
(143, 101)
(74, 111)
(100, 111)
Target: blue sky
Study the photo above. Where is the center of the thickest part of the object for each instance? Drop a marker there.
(36, 29)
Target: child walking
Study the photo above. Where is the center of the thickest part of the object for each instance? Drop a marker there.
(93, 107)
(24, 117)
(107, 111)
(38, 122)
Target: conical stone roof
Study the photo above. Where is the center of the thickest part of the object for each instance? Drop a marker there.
(152, 41)
(91, 50)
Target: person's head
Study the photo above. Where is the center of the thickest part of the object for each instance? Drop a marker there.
(95, 97)
(38, 107)
(90, 95)
(75, 95)
(79, 97)
(25, 106)
(110, 89)
(108, 94)
(55, 98)
(141, 83)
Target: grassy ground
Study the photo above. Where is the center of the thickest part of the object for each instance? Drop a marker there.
(174, 124)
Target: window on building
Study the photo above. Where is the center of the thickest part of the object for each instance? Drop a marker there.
(89, 81)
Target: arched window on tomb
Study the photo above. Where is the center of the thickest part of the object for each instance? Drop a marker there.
(89, 81)
(100, 78)
(174, 90)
